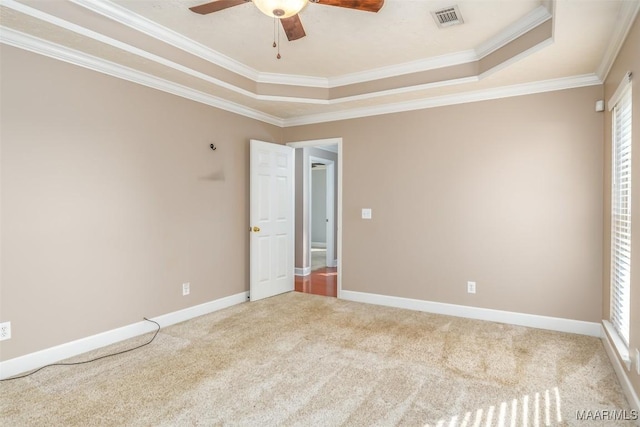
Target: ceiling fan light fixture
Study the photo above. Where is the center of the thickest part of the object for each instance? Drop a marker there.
(280, 8)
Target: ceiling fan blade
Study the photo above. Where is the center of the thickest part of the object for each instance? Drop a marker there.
(293, 27)
(215, 6)
(366, 5)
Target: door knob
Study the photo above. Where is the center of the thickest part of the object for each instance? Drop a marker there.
(256, 229)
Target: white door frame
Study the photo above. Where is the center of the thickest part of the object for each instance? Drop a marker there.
(320, 143)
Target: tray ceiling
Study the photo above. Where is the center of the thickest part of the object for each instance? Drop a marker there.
(350, 64)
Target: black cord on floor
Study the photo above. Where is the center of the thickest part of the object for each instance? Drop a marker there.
(92, 360)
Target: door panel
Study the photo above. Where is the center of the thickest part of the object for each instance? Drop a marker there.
(271, 219)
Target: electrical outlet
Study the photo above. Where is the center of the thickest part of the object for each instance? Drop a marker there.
(186, 288)
(5, 331)
(471, 287)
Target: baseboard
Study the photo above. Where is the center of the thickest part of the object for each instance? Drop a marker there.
(318, 244)
(40, 358)
(521, 319)
(621, 372)
(305, 271)
(333, 263)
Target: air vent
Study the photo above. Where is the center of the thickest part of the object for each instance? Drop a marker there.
(448, 16)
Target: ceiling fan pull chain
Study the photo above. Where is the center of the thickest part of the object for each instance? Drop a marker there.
(274, 36)
(278, 56)
(274, 31)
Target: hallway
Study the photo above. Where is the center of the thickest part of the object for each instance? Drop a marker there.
(323, 280)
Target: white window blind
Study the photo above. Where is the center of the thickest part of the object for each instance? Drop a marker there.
(621, 211)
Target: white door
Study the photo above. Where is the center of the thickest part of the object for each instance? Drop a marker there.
(271, 216)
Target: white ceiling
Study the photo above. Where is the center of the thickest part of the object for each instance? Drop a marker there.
(348, 63)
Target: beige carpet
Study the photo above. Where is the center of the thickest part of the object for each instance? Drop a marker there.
(305, 360)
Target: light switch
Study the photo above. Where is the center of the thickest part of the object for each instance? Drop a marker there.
(366, 213)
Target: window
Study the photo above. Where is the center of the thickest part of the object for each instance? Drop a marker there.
(621, 209)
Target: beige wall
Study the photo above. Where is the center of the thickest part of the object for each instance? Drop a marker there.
(505, 193)
(627, 60)
(111, 198)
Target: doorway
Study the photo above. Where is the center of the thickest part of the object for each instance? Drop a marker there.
(322, 202)
(318, 233)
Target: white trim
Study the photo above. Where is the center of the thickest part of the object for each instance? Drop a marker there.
(137, 22)
(504, 64)
(331, 229)
(625, 382)
(417, 66)
(123, 46)
(621, 348)
(367, 95)
(123, 16)
(509, 34)
(399, 90)
(126, 17)
(440, 101)
(538, 16)
(47, 356)
(63, 53)
(512, 318)
(317, 143)
(320, 143)
(329, 207)
(305, 271)
(44, 47)
(620, 91)
(293, 80)
(34, 44)
(626, 17)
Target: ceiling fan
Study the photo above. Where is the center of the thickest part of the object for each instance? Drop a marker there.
(287, 10)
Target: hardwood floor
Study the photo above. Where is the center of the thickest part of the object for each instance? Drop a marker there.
(323, 281)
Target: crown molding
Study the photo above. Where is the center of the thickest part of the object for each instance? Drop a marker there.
(527, 23)
(370, 95)
(509, 34)
(196, 95)
(626, 16)
(540, 15)
(293, 80)
(404, 89)
(441, 101)
(33, 44)
(137, 22)
(120, 16)
(516, 58)
(27, 10)
(124, 16)
(405, 68)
